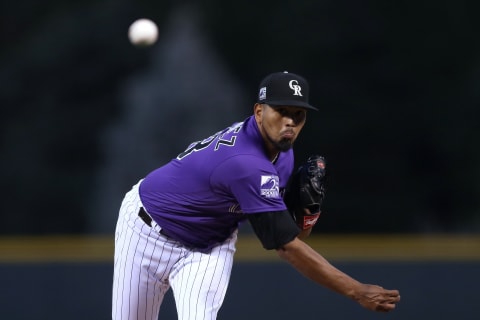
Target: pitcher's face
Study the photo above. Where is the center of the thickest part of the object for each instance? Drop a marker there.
(279, 125)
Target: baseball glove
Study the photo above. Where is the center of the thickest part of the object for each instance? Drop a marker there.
(305, 192)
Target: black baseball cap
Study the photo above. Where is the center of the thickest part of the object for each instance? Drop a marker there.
(284, 89)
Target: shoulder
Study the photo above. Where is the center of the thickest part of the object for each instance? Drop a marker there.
(243, 170)
(246, 164)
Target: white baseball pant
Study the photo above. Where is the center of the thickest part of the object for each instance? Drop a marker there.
(147, 264)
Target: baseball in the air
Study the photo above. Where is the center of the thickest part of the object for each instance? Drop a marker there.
(143, 32)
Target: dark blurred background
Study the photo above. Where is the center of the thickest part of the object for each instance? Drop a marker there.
(84, 114)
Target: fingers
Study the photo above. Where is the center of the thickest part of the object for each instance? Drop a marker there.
(392, 293)
(391, 298)
(382, 300)
(388, 305)
(385, 307)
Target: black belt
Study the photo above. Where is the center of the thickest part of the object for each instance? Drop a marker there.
(142, 214)
(145, 217)
(148, 220)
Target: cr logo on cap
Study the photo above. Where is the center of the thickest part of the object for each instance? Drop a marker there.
(293, 84)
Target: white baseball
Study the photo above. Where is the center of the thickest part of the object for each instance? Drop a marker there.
(143, 32)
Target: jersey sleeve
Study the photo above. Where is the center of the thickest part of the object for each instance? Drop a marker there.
(254, 183)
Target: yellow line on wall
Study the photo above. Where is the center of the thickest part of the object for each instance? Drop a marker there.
(379, 247)
(47, 249)
(56, 249)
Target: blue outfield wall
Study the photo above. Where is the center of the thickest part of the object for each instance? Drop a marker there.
(259, 289)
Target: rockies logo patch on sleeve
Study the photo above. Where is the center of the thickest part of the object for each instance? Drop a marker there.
(269, 186)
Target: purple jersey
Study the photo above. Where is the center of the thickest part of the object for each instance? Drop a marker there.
(200, 197)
